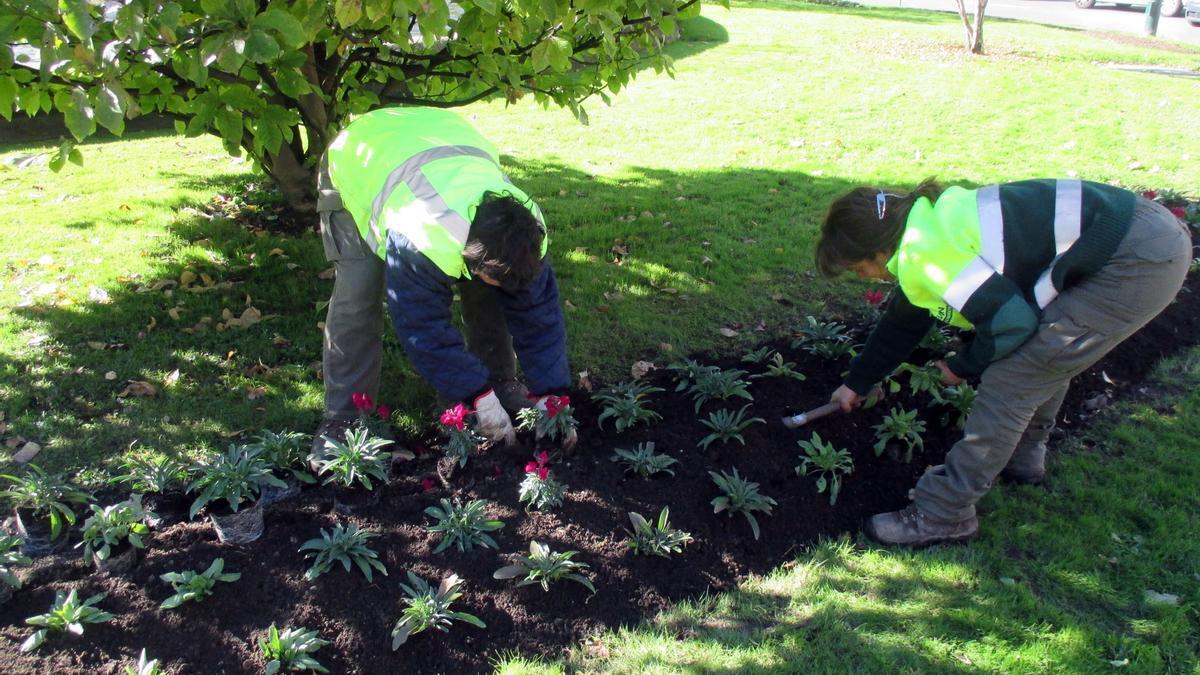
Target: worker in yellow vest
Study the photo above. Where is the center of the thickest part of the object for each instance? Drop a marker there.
(414, 201)
(1049, 274)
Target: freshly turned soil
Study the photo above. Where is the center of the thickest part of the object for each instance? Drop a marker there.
(219, 635)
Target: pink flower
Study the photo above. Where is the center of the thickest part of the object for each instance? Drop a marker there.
(1179, 212)
(363, 402)
(426, 484)
(543, 458)
(531, 467)
(554, 404)
(873, 297)
(539, 467)
(1150, 194)
(384, 412)
(543, 472)
(454, 417)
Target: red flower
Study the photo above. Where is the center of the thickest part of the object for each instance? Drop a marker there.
(530, 467)
(426, 484)
(543, 472)
(543, 458)
(539, 467)
(1179, 212)
(363, 402)
(454, 417)
(1150, 194)
(384, 412)
(554, 404)
(873, 297)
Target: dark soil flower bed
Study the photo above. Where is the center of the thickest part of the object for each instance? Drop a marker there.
(220, 634)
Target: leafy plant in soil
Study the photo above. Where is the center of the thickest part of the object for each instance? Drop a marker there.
(719, 385)
(727, 426)
(689, 371)
(902, 426)
(544, 567)
(463, 525)
(291, 649)
(66, 614)
(960, 398)
(285, 451)
(740, 496)
(345, 544)
(643, 461)
(922, 380)
(461, 440)
(938, 339)
(153, 475)
(236, 475)
(825, 339)
(11, 556)
(114, 526)
(192, 586)
(556, 420)
(758, 356)
(779, 368)
(375, 419)
(429, 608)
(46, 496)
(144, 666)
(656, 537)
(538, 490)
(623, 402)
(356, 461)
(827, 462)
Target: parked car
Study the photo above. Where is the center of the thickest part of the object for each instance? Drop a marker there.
(1169, 7)
(1191, 9)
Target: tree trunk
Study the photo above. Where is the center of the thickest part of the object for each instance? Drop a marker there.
(973, 27)
(296, 181)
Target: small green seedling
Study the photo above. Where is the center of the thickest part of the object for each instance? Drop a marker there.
(429, 608)
(827, 462)
(543, 566)
(111, 526)
(345, 544)
(66, 614)
(719, 385)
(464, 526)
(727, 426)
(356, 461)
(47, 495)
(740, 496)
(10, 557)
(291, 649)
(901, 426)
(192, 586)
(643, 461)
(144, 666)
(656, 537)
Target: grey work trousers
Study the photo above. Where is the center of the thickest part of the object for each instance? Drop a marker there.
(1020, 394)
(353, 350)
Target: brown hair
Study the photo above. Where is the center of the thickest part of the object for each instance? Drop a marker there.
(505, 242)
(853, 230)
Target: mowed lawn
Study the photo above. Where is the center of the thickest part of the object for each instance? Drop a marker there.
(688, 206)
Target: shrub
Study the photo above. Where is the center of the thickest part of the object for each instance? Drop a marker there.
(356, 461)
(902, 426)
(827, 462)
(114, 525)
(11, 556)
(643, 461)
(727, 425)
(656, 537)
(66, 614)
(47, 495)
(719, 385)
(291, 649)
(463, 525)
(345, 544)
(429, 608)
(235, 475)
(192, 586)
(543, 567)
(740, 496)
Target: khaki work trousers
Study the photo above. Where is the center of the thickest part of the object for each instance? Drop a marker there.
(1020, 394)
(353, 352)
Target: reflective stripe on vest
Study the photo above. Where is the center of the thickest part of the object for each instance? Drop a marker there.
(426, 196)
(991, 250)
(1068, 225)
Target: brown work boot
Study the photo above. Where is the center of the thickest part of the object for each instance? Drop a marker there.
(913, 528)
(1027, 466)
(1022, 476)
(512, 394)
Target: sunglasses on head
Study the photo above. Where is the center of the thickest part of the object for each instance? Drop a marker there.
(881, 202)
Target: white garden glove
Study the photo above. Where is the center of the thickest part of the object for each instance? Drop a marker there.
(492, 421)
(572, 436)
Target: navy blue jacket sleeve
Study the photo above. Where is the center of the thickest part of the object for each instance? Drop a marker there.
(419, 296)
(535, 321)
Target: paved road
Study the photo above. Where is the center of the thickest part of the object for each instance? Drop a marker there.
(1064, 13)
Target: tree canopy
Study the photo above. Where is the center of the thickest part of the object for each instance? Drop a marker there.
(278, 78)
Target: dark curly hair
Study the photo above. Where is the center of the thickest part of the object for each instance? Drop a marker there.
(505, 242)
(853, 230)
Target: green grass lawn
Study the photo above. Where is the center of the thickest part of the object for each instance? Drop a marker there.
(688, 205)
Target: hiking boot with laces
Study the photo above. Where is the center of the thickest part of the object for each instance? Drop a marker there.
(512, 394)
(1027, 467)
(916, 529)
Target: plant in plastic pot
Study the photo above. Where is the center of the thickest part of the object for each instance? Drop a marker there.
(351, 465)
(286, 452)
(161, 481)
(112, 536)
(10, 557)
(231, 482)
(42, 502)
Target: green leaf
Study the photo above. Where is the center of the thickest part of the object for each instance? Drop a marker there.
(261, 48)
(488, 6)
(110, 109)
(560, 53)
(289, 28)
(347, 12)
(8, 96)
(77, 19)
(79, 115)
(34, 641)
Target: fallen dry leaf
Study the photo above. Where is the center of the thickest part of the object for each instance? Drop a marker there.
(138, 389)
(327, 273)
(1156, 598)
(110, 375)
(248, 318)
(728, 332)
(153, 323)
(186, 277)
(277, 251)
(640, 368)
(280, 342)
(613, 296)
(666, 346)
(99, 295)
(171, 378)
(173, 313)
(14, 442)
(585, 380)
(256, 393)
(26, 453)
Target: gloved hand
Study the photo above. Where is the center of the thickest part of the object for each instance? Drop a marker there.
(570, 438)
(491, 420)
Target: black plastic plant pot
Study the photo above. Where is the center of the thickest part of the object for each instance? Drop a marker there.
(35, 533)
(120, 561)
(240, 527)
(274, 495)
(6, 593)
(348, 501)
(168, 507)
